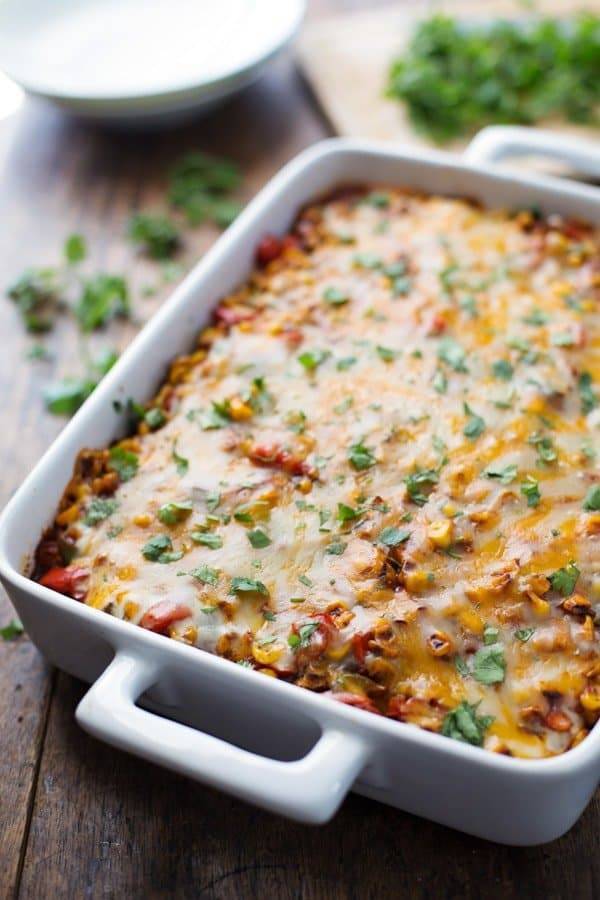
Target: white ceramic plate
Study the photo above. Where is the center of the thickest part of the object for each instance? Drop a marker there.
(141, 59)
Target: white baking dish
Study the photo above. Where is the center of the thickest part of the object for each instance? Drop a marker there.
(283, 747)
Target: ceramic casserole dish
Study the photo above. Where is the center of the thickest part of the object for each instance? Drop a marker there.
(290, 751)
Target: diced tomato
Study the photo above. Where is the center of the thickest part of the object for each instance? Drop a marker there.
(293, 336)
(357, 701)
(233, 315)
(360, 645)
(320, 639)
(275, 456)
(69, 580)
(436, 325)
(160, 616)
(269, 248)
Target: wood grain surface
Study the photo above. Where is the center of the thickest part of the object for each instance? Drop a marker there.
(77, 818)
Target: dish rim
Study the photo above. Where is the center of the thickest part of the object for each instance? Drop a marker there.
(119, 634)
(179, 91)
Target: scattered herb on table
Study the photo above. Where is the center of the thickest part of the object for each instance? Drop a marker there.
(157, 234)
(12, 630)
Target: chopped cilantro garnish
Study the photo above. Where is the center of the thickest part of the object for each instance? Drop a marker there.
(305, 580)
(393, 537)
(523, 634)
(154, 418)
(475, 424)
(587, 395)
(345, 363)
(361, 457)
(450, 352)
(367, 261)
(160, 549)
(312, 359)
(75, 249)
(592, 499)
(206, 575)
(157, 234)
(63, 398)
(419, 481)
(504, 474)
(258, 538)
(347, 513)
(336, 548)
(98, 510)
(463, 724)
(531, 490)
(247, 586)
(565, 579)
(489, 665)
(172, 513)
(181, 463)
(12, 630)
(386, 354)
(335, 296)
(207, 539)
(124, 462)
(545, 448)
(103, 297)
(440, 382)
(502, 369)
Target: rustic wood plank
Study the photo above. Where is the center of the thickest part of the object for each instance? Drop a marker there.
(107, 825)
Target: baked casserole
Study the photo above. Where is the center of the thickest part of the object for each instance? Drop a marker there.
(376, 475)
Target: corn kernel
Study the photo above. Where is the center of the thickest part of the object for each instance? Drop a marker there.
(590, 699)
(245, 326)
(266, 653)
(471, 620)
(304, 486)
(68, 515)
(238, 410)
(440, 533)
(541, 607)
(142, 520)
(337, 653)
(270, 672)
(536, 405)
(126, 573)
(130, 610)
(417, 581)
(450, 510)
(588, 629)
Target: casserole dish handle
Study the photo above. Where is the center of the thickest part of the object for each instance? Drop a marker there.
(308, 789)
(497, 142)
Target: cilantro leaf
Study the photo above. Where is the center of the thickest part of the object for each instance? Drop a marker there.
(124, 462)
(206, 575)
(565, 579)
(207, 539)
(489, 665)
(475, 424)
(181, 463)
(258, 538)
(450, 352)
(312, 359)
(99, 510)
(103, 297)
(335, 296)
(160, 549)
(592, 499)
(392, 536)
(463, 724)
(172, 513)
(247, 585)
(504, 474)
(530, 489)
(157, 234)
(361, 457)
(589, 400)
(63, 398)
(419, 481)
(12, 630)
(75, 249)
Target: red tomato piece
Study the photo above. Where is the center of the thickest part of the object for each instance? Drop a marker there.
(160, 616)
(269, 248)
(357, 701)
(69, 580)
(233, 315)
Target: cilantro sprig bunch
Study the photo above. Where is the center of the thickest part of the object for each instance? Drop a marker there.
(454, 77)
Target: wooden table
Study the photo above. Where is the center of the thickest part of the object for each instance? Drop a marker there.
(78, 819)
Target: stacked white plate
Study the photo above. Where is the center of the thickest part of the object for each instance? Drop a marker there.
(133, 61)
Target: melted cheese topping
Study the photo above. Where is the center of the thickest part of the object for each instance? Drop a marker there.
(384, 459)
